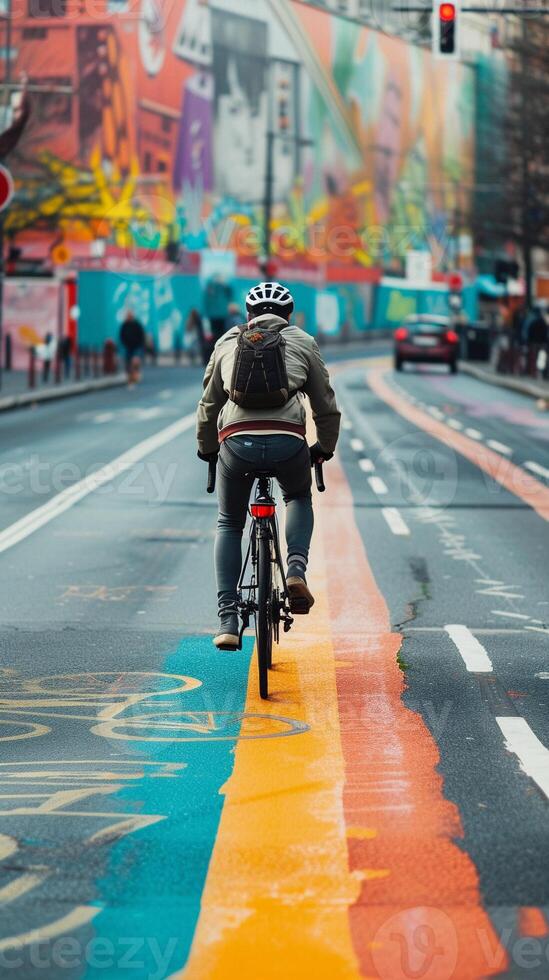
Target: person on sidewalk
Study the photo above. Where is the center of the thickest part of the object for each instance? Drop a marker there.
(217, 296)
(195, 340)
(46, 353)
(537, 340)
(132, 339)
(65, 354)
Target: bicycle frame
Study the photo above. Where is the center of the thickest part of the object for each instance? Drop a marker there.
(263, 527)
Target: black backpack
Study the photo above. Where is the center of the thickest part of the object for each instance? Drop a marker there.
(260, 378)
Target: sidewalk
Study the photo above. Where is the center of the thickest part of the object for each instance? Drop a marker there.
(14, 392)
(525, 386)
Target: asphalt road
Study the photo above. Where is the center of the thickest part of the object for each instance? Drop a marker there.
(385, 814)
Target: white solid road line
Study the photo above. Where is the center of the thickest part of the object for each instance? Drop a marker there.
(474, 434)
(531, 753)
(395, 520)
(366, 465)
(473, 653)
(357, 445)
(499, 447)
(377, 485)
(71, 495)
(537, 468)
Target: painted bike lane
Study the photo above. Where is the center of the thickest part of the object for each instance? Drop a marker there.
(337, 855)
(332, 853)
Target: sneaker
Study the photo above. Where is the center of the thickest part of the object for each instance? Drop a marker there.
(301, 599)
(228, 635)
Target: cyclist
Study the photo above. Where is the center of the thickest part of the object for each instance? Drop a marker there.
(252, 414)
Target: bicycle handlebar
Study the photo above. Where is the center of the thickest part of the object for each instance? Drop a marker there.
(319, 477)
(212, 472)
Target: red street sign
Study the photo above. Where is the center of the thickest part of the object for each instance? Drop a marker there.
(455, 281)
(6, 187)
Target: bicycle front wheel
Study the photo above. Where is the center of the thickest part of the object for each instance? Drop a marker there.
(264, 615)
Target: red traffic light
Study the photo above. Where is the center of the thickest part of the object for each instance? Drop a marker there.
(447, 12)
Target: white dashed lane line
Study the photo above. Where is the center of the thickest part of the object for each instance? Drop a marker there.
(499, 447)
(472, 652)
(357, 445)
(435, 412)
(366, 465)
(346, 424)
(531, 753)
(520, 740)
(474, 434)
(509, 615)
(455, 424)
(538, 469)
(377, 485)
(395, 521)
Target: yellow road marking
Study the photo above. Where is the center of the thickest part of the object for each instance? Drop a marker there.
(279, 887)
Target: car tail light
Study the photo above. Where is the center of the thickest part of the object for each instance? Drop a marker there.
(452, 337)
(401, 333)
(263, 510)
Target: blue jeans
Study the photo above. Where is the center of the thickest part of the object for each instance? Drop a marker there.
(239, 458)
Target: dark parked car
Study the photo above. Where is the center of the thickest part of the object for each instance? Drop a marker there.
(426, 339)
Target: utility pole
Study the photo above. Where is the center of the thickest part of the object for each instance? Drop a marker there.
(525, 170)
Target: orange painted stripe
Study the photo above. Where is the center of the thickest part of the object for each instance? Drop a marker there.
(513, 478)
(532, 922)
(275, 904)
(421, 913)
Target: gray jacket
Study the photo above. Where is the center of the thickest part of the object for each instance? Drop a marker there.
(306, 372)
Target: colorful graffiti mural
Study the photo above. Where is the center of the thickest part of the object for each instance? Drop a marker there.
(150, 126)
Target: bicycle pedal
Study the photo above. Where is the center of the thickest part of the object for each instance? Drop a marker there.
(300, 606)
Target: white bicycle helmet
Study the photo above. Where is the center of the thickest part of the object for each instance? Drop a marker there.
(270, 297)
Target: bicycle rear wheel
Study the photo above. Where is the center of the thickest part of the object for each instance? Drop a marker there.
(264, 615)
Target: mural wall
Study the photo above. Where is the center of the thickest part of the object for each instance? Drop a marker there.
(151, 118)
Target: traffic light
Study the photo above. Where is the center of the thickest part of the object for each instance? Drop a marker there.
(446, 29)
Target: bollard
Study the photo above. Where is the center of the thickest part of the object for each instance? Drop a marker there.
(57, 366)
(109, 357)
(32, 368)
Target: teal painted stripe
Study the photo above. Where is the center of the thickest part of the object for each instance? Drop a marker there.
(150, 895)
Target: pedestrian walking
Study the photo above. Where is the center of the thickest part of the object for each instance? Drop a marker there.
(537, 340)
(65, 355)
(194, 338)
(132, 339)
(217, 296)
(151, 354)
(46, 353)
